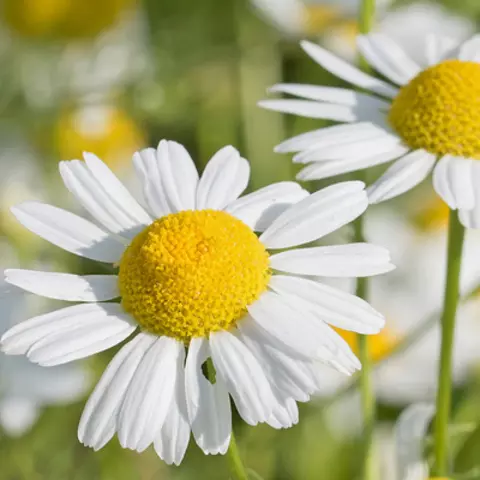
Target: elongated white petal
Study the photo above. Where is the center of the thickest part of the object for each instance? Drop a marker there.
(329, 136)
(69, 334)
(172, 440)
(387, 58)
(471, 218)
(178, 174)
(351, 260)
(147, 168)
(301, 332)
(319, 214)
(470, 50)
(259, 209)
(288, 375)
(438, 48)
(402, 176)
(452, 180)
(320, 170)
(347, 72)
(312, 109)
(332, 305)
(99, 200)
(285, 415)
(378, 144)
(65, 286)
(243, 376)
(115, 189)
(224, 179)
(149, 394)
(208, 404)
(340, 96)
(68, 231)
(98, 422)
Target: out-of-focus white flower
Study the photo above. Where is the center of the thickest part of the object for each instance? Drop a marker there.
(25, 388)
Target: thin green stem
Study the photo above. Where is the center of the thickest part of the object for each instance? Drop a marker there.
(233, 454)
(366, 19)
(236, 464)
(456, 233)
(365, 380)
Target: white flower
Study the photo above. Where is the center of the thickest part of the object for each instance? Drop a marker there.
(197, 276)
(26, 388)
(431, 123)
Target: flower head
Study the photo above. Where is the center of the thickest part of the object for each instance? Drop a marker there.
(425, 117)
(193, 273)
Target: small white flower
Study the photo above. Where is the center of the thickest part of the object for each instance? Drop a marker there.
(192, 273)
(425, 117)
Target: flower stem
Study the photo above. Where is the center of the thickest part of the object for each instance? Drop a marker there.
(236, 464)
(456, 233)
(366, 384)
(366, 20)
(233, 454)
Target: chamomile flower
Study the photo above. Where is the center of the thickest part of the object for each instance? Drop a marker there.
(193, 273)
(425, 117)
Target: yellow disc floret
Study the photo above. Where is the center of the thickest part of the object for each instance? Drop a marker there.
(439, 110)
(192, 273)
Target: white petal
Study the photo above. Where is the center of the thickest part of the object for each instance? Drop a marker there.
(351, 260)
(311, 109)
(378, 144)
(347, 72)
(320, 170)
(98, 422)
(178, 174)
(149, 395)
(452, 180)
(65, 286)
(387, 58)
(68, 231)
(69, 334)
(243, 376)
(300, 332)
(332, 305)
(172, 441)
(99, 200)
(470, 50)
(438, 48)
(115, 189)
(259, 209)
(402, 176)
(287, 374)
(319, 214)
(330, 136)
(147, 168)
(471, 218)
(224, 179)
(208, 404)
(335, 95)
(284, 416)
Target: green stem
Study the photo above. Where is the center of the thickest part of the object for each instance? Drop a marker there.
(233, 454)
(456, 234)
(366, 19)
(365, 380)
(236, 464)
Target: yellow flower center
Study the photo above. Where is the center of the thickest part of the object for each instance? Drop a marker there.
(439, 110)
(192, 273)
(432, 216)
(379, 345)
(318, 17)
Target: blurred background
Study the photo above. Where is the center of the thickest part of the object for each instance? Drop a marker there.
(114, 76)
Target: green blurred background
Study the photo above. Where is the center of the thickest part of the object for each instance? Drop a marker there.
(113, 76)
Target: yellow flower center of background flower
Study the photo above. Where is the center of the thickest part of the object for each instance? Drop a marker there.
(379, 345)
(319, 17)
(192, 273)
(439, 110)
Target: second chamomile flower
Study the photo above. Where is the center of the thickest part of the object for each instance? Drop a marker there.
(425, 117)
(193, 273)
